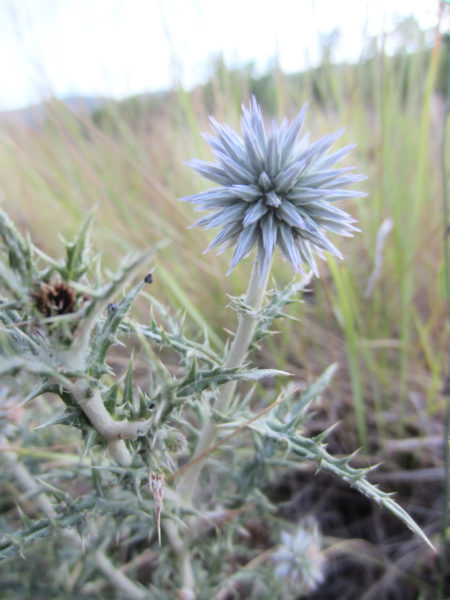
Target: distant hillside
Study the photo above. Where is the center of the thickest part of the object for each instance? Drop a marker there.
(328, 85)
(34, 116)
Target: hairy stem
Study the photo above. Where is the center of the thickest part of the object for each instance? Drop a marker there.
(91, 403)
(181, 549)
(238, 351)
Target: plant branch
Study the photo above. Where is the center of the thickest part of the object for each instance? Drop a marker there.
(115, 432)
(28, 484)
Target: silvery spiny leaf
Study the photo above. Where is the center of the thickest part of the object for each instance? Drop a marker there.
(275, 190)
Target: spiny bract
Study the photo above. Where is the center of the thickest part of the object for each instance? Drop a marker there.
(276, 189)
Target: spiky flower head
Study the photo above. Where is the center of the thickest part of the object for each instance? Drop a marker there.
(275, 189)
(299, 561)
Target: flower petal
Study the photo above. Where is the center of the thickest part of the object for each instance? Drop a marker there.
(321, 146)
(287, 178)
(253, 147)
(343, 181)
(244, 244)
(304, 195)
(249, 193)
(222, 217)
(290, 214)
(229, 140)
(257, 123)
(314, 178)
(339, 228)
(211, 194)
(273, 157)
(254, 212)
(288, 246)
(335, 195)
(330, 159)
(320, 240)
(210, 171)
(229, 231)
(269, 233)
(239, 172)
(292, 134)
(307, 255)
(325, 210)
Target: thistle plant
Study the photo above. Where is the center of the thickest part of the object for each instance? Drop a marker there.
(175, 461)
(276, 189)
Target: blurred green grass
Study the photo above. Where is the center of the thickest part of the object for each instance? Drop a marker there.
(126, 161)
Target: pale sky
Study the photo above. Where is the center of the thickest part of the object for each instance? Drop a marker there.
(121, 47)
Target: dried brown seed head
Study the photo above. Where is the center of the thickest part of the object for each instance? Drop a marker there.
(54, 299)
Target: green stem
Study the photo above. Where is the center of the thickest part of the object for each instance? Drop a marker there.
(238, 351)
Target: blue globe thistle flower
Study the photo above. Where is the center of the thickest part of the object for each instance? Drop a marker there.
(275, 190)
(299, 560)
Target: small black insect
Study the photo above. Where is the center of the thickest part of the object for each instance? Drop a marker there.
(148, 278)
(111, 308)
